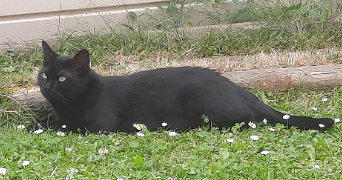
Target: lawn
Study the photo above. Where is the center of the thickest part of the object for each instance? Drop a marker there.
(266, 152)
(279, 153)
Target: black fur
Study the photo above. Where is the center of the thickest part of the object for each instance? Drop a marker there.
(178, 96)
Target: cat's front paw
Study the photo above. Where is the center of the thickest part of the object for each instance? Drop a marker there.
(36, 126)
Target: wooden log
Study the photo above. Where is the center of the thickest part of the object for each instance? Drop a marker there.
(293, 77)
(262, 79)
(32, 97)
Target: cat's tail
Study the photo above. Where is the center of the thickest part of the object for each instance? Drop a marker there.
(273, 116)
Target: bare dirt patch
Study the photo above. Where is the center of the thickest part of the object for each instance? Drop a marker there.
(123, 65)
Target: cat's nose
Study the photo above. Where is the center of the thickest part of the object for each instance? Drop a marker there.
(47, 86)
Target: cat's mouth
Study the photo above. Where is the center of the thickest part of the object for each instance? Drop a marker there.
(55, 98)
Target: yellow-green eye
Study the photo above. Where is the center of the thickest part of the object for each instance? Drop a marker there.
(61, 79)
(44, 76)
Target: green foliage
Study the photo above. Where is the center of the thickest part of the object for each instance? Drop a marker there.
(175, 14)
(139, 160)
(205, 119)
(230, 42)
(237, 127)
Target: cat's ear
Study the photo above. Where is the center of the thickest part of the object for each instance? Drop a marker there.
(80, 61)
(49, 54)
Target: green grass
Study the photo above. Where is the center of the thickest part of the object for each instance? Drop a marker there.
(230, 42)
(198, 154)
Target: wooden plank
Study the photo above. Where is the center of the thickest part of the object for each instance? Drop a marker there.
(266, 79)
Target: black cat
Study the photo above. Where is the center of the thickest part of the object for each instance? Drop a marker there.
(178, 96)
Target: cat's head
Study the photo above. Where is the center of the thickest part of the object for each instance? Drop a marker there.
(63, 79)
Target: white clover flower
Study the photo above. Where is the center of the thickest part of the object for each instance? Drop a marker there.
(254, 137)
(164, 124)
(325, 99)
(60, 133)
(64, 126)
(265, 121)
(172, 133)
(264, 152)
(337, 120)
(21, 127)
(120, 178)
(103, 151)
(321, 125)
(26, 163)
(73, 170)
(39, 131)
(69, 149)
(3, 171)
(140, 134)
(286, 116)
(316, 166)
(271, 129)
(314, 108)
(230, 140)
(137, 126)
(252, 124)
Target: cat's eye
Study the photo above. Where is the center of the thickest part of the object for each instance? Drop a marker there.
(61, 79)
(44, 75)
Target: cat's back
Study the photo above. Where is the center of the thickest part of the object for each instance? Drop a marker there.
(166, 79)
(178, 75)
